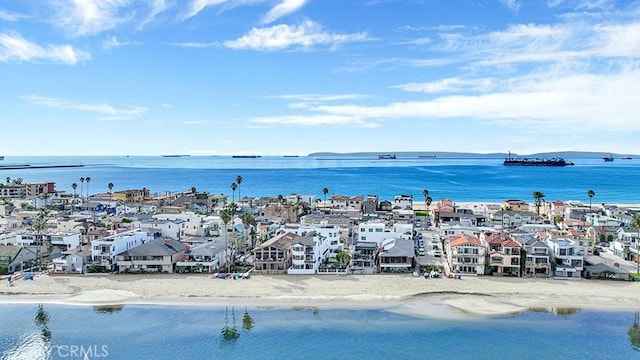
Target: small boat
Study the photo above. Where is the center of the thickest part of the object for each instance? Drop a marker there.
(386, 157)
(245, 156)
(626, 158)
(1, 157)
(608, 158)
(174, 155)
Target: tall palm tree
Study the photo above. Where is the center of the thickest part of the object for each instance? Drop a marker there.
(74, 186)
(234, 186)
(538, 198)
(110, 186)
(325, 191)
(8, 180)
(81, 187)
(87, 179)
(239, 181)
(590, 194)
(247, 220)
(635, 222)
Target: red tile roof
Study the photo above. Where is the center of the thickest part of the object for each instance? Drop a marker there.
(462, 239)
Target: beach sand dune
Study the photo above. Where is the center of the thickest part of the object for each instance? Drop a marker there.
(404, 293)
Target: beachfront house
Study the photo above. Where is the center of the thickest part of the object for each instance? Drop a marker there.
(274, 255)
(311, 251)
(626, 243)
(15, 258)
(152, 256)
(504, 254)
(104, 251)
(68, 263)
(465, 254)
(538, 261)
(396, 255)
(364, 257)
(566, 261)
(204, 257)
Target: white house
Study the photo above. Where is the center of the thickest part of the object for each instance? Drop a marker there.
(309, 251)
(105, 250)
(194, 224)
(466, 254)
(565, 254)
(171, 229)
(377, 231)
(403, 201)
(68, 263)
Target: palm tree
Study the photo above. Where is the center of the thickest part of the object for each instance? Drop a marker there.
(74, 186)
(239, 181)
(8, 180)
(425, 193)
(38, 225)
(81, 187)
(590, 194)
(247, 220)
(325, 191)
(635, 222)
(226, 216)
(234, 186)
(110, 186)
(538, 198)
(87, 179)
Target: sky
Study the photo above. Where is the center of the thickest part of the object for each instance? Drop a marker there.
(292, 77)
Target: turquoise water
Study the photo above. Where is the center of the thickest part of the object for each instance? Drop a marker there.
(460, 179)
(179, 332)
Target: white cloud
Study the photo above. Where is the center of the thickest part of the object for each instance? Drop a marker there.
(111, 112)
(9, 16)
(285, 7)
(113, 42)
(449, 85)
(319, 97)
(157, 7)
(15, 48)
(196, 45)
(195, 6)
(511, 4)
(312, 120)
(90, 17)
(279, 37)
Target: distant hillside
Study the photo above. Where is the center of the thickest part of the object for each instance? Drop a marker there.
(445, 154)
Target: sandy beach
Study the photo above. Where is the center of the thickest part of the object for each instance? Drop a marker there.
(402, 293)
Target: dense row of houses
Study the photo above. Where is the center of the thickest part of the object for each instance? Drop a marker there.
(132, 231)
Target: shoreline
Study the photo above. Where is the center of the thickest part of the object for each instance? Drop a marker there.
(405, 294)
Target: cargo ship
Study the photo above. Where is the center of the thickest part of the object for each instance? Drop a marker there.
(526, 161)
(386, 156)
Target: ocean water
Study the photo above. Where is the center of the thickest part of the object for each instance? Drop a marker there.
(459, 179)
(181, 332)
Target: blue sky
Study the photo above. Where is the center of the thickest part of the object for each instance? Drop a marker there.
(271, 77)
